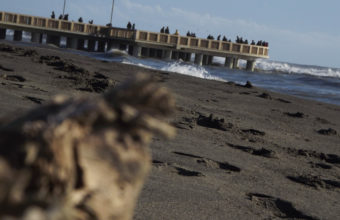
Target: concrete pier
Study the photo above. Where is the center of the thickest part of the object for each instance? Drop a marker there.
(53, 39)
(235, 63)
(17, 35)
(199, 59)
(250, 65)
(3, 33)
(72, 43)
(101, 46)
(91, 45)
(80, 44)
(167, 54)
(36, 37)
(229, 62)
(139, 42)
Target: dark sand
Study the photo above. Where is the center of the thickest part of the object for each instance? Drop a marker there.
(261, 155)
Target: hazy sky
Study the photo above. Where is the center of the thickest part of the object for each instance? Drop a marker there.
(298, 31)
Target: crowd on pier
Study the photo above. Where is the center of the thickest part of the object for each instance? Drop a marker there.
(166, 30)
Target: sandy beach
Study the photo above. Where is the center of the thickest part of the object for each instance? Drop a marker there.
(240, 152)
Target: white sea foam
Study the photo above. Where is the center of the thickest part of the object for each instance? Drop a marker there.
(273, 66)
(190, 70)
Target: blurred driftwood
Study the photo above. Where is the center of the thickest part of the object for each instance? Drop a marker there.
(82, 158)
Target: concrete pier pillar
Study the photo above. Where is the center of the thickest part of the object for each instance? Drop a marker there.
(101, 46)
(53, 39)
(250, 65)
(210, 60)
(167, 54)
(205, 60)
(72, 43)
(3, 33)
(36, 37)
(137, 51)
(229, 62)
(235, 64)
(17, 35)
(199, 59)
(80, 44)
(91, 45)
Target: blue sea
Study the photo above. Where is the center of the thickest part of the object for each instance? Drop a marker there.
(310, 82)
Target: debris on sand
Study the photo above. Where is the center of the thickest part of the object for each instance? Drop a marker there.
(62, 160)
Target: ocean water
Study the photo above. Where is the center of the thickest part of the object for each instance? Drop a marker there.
(310, 82)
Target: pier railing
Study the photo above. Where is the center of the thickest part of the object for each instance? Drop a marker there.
(172, 40)
(200, 43)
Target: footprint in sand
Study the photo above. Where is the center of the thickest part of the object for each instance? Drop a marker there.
(211, 163)
(263, 152)
(278, 207)
(315, 182)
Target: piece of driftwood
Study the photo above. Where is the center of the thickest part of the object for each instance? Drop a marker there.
(82, 158)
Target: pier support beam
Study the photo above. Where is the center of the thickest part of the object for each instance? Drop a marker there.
(17, 35)
(72, 43)
(3, 33)
(210, 60)
(250, 65)
(91, 45)
(229, 62)
(188, 57)
(205, 60)
(36, 37)
(101, 46)
(167, 54)
(137, 51)
(199, 59)
(235, 65)
(80, 44)
(53, 39)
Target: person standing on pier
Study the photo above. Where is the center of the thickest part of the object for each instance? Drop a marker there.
(128, 26)
(53, 15)
(80, 20)
(167, 31)
(162, 30)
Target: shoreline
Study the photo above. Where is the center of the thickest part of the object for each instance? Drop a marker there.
(260, 155)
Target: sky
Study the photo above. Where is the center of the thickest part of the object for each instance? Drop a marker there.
(298, 31)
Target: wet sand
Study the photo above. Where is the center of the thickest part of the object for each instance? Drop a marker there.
(240, 152)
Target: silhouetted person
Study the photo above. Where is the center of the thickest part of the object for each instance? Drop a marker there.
(193, 35)
(53, 15)
(108, 25)
(224, 38)
(246, 41)
(252, 42)
(219, 37)
(167, 31)
(128, 26)
(60, 17)
(188, 34)
(90, 21)
(133, 26)
(80, 20)
(66, 17)
(162, 30)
